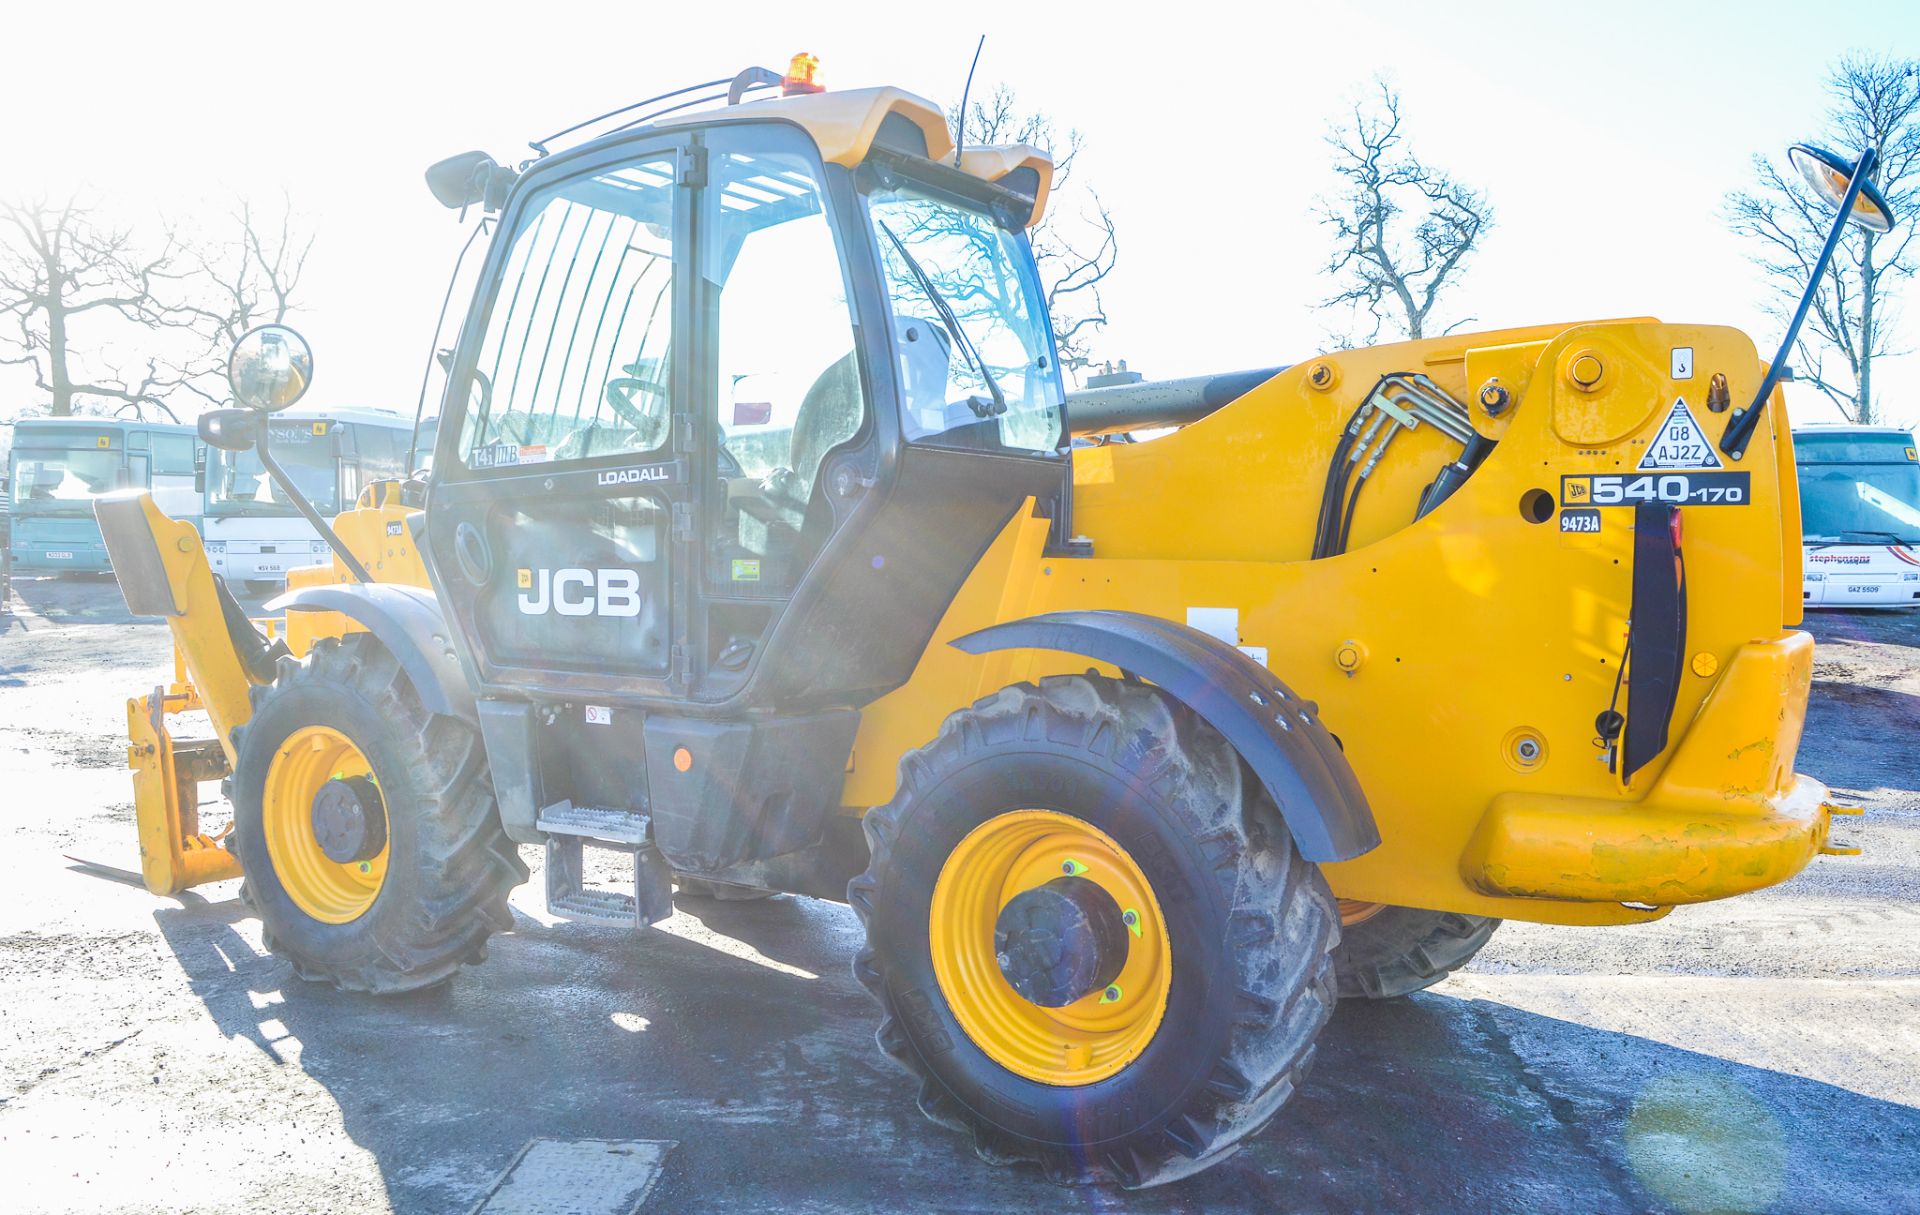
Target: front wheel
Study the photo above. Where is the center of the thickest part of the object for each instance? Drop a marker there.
(366, 825)
(1090, 935)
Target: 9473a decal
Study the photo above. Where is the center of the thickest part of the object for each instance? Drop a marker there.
(1679, 488)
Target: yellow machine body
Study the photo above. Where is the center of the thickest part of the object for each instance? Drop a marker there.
(1460, 657)
(174, 853)
(1432, 646)
(210, 677)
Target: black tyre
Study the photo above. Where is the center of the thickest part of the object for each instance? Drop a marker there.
(395, 870)
(1127, 777)
(1400, 950)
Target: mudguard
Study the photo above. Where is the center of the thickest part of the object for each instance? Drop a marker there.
(407, 620)
(1274, 730)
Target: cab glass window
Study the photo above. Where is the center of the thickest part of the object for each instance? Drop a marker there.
(789, 380)
(970, 327)
(579, 338)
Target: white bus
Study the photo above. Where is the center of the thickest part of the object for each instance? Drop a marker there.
(1859, 516)
(254, 535)
(60, 465)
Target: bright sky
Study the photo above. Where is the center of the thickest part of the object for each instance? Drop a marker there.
(1606, 137)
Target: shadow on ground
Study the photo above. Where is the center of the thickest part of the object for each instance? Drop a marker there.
(742, 1037)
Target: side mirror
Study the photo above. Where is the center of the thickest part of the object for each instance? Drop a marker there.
(1830, 175)
(229, 430)
(469, 178)
(270, 368)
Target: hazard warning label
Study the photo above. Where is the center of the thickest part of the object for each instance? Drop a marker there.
(1680, 444)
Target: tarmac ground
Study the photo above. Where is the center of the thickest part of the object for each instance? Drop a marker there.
(1761, 1054)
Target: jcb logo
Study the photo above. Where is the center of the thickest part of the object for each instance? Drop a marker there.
(579, 592)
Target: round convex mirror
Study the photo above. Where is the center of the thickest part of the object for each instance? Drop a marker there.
(270, 368)
(1830, 175)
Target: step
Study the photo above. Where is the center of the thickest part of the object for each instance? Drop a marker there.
(624, 827)
(569, 897)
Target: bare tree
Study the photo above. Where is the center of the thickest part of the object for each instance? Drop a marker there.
(1403, 230)
(249, 277)
(60, 270)
(1075, 249)
(1875, 102)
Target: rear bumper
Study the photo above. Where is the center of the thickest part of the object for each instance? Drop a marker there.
(1727, 814)
(261, 567)
(89, 558)
(1838, 592)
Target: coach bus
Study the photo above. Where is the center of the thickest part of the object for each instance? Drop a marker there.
(58, 466)
(254, 534)
(1859, 516)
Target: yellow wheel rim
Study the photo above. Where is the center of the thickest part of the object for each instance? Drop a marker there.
(324, 888)
(1079, 1043)
(1358, 911)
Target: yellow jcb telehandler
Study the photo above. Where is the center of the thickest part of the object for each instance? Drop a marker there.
(763, 544)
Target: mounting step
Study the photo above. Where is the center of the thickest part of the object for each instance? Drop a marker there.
(570, 829)
(628, 827)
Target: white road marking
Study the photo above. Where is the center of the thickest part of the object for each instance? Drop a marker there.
(577, 1177)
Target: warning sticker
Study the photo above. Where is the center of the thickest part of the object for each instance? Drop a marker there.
(1680, 444)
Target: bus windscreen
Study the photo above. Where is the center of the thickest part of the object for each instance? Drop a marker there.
(1857, 488)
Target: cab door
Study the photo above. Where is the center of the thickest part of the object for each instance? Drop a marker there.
(560, 515)
(784, 396)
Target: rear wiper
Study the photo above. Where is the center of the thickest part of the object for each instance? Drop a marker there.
(952, 323)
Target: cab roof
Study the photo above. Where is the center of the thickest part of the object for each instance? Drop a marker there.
(844, 126)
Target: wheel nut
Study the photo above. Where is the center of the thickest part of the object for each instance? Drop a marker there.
(1111, 994)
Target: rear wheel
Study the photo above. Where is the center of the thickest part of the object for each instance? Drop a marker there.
(1388, 951)
(366, 825)
(1090, 935)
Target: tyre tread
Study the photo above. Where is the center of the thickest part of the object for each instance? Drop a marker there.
(1284, 922)
(470, 864)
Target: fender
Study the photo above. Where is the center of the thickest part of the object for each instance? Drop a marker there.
(1274, 730)
(407, 620)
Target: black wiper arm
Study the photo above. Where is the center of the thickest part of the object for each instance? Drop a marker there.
(951, 321)
(1896, 537)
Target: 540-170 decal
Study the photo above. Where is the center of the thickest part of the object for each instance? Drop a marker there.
(1679, 488)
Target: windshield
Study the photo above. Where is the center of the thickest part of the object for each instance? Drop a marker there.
(975, 356)
(64, 481)
(1859, 489)
(237, 483)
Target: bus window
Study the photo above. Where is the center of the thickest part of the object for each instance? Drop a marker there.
(237, 483)
(63, 480)
(173, 455)
(1859, 487)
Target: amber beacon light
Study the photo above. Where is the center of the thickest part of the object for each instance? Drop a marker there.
(800, 76)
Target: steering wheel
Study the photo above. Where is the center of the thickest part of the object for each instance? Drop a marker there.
(620, 398)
